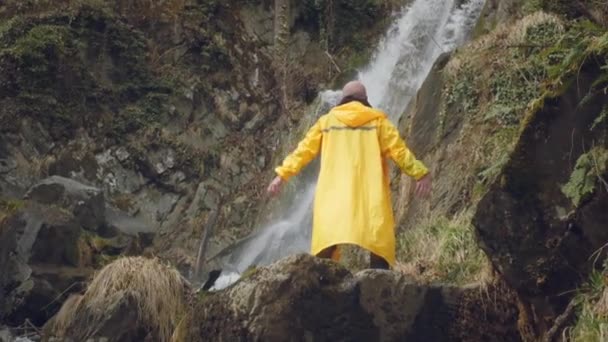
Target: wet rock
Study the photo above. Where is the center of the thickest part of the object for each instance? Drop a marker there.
(85, 202)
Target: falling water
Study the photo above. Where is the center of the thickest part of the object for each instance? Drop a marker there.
(425, 30)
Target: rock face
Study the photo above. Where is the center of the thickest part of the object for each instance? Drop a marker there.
(543, 222)
(84, 202)
(50, 246)
(302, 298)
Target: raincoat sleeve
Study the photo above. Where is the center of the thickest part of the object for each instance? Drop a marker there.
(306, 151)
(393, 146)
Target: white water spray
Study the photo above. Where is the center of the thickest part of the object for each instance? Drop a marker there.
(402, 61)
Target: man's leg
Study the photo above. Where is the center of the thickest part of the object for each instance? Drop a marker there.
(378, 262)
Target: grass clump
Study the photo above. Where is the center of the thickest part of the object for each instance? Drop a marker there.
(158, 292)
(443, 250)
(592, 310)
(8, 207)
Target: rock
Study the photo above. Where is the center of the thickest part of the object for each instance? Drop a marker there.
(48, 249)
(122, 154)
(114, 176)
(303, 298)
(41, 256)
(540, 236)
(7, 165)
(85, 202)
(5, 335)
(258, 22)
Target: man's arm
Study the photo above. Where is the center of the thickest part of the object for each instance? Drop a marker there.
(394, 146)
(306, 151)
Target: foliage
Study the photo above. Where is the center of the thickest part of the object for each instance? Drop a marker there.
(587, 172)
(442, 250)
(499, 81)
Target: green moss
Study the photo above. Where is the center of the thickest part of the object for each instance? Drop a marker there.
(249, 272)
(54, 69)
(589, 167)
(11, 205)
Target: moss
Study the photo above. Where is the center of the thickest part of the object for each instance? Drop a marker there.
(249, 272)
(589, 167)
(63, 80)
(8, 207)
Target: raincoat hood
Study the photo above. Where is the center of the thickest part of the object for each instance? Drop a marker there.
(355, 114)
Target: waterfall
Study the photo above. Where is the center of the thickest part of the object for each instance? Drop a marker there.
(403, 59)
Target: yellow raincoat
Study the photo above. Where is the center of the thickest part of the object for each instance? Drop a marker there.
(352, 199)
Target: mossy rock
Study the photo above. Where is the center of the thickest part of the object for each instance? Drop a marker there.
(66, 70)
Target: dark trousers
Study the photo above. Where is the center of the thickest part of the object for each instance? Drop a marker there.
(375, 261)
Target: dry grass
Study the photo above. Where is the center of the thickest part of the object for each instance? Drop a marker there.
(592, 315)
(66, 314)
(442, 250)
(482, 52)
(158, 291)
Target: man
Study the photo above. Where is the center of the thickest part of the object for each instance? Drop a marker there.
(352, 199)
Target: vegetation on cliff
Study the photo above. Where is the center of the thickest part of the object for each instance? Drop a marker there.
(492, 88)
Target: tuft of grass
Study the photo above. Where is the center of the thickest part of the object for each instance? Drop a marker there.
(160, 294)
(592, 310)
(9, 207)
(443, 250)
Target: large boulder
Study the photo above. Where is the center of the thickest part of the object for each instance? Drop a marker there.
(543, 222)
(303, 298)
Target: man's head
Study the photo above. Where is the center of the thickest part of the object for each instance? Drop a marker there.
(355, 90)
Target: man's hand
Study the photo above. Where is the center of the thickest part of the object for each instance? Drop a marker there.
(275, 186)
(423, 186)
